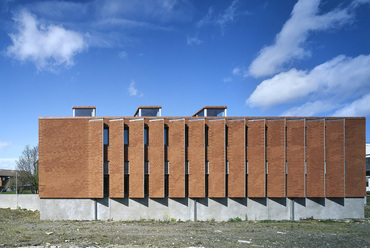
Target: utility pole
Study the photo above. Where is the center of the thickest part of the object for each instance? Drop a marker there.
(16, 185)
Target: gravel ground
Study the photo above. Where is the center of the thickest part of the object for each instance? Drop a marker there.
(22, 228)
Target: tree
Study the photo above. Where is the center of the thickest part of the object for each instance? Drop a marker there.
(28, 168)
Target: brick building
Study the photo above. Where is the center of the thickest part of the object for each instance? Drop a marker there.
(200, 167)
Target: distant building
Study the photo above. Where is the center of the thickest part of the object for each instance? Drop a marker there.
(205, 166)
(5, 176)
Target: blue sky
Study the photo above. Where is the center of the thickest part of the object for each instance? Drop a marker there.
(259, 58)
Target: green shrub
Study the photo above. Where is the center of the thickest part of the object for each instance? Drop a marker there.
(236, 219)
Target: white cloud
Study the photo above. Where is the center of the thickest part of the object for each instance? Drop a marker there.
(7, 163)
(3, 144)
(236, 71)
(282, 88)
(146, 10)
(133, 91)
(339, 80)
(227, 79)
(360, 107)
(47, 46)
(123, 55)
(289, 43)
(207, 19)
(194, 41)
(227, 16)
(222, 19)
(310, 108)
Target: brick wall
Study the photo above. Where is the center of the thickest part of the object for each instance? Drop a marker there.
(136, 156)
(256, 158)
(315, 156)
(295, 154)
(355, 152)
(275, 156)
(176, 158)
(334, 139)
(236, 158)
(196, 157)
(65, 170)
(156, 158)
(216, 158)
(71, 157)
(116, 160)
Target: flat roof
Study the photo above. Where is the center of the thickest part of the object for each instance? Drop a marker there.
(146, 107)
(7, 173)
(83, 107)
(210, 107)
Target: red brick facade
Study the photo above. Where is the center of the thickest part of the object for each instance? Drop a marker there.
(226, 157)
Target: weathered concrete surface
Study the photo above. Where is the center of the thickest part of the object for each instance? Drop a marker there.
(67, 209)
(202, 209)
(329, 208)
(13, 201)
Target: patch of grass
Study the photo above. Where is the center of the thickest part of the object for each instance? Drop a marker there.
(18, 214)
(236, 219)
(327, 221)
(266, 221)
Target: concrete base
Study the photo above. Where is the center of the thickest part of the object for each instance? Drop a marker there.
(201, 209)
(13, 201)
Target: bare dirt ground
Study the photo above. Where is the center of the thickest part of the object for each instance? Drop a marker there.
(22, 228)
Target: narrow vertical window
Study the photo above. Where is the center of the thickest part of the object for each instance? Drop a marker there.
(146, 135)
(206, 135)
(246, 136)
(186, 136)
(266, 136)
(126, 136)
(106, 136)
(226, 136)
(165, 135)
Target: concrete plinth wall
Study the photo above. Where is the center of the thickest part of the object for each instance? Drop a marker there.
(13, 201)
(201, 209)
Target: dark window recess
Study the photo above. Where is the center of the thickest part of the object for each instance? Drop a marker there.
(106, 167)
(166, 169)
(126, 136)
(226, 136)
(246, 136)
(166, 178)
(146, 185)
(106, 185)
(186, 185)
(146, 168)
(126, 185)
(226, 185)
(149, 112)
(206, 135)
(84, 112)
(266, 136)
(206, 185)
(165, 135)
(186, 136)
(126, 168)
(146, 135)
